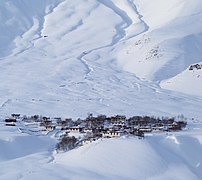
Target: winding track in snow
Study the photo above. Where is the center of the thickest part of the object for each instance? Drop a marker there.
(120, 28)
(120, 31)
(40, 26)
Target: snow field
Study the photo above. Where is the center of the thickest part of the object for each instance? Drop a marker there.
(69, 58)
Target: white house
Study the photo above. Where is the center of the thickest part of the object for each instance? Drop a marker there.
(74, 129)
(111, 134)
(118, 123)
(49, 128)
(86, 141)
(87, 130)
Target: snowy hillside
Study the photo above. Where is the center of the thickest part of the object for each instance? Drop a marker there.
(59, 56)
(129, 57)
(173, 155)
(171, 44)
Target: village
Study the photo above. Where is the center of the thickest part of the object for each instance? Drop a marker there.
(72, 134)
(195, 67)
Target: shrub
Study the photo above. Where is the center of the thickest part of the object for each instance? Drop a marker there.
(66, 143)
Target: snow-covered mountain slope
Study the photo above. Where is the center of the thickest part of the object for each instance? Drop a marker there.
(68, 58)
(164, 157)
(18, 18)
(189, 81)
(172, 43)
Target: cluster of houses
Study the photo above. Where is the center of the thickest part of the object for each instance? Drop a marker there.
(195, 66)
(93, 128)
(11, 121)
